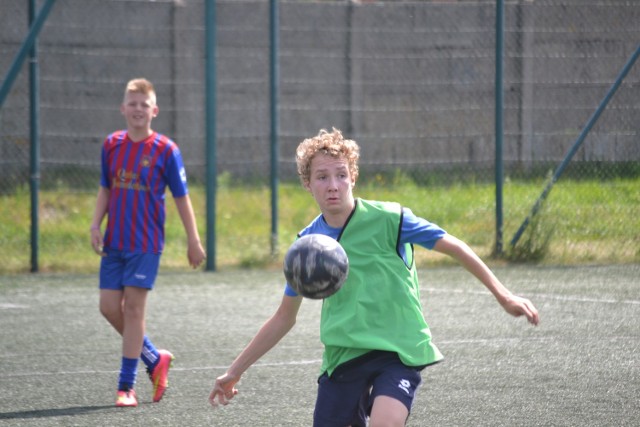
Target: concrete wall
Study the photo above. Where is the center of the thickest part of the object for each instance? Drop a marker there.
(412, 82)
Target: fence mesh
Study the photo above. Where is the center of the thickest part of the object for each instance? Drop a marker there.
(412, 82)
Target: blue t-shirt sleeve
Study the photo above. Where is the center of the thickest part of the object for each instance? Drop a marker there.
(419, 231)
(176, 174)
(288, 291)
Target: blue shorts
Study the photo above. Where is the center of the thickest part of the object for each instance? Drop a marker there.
(119, 269)
(346, 397)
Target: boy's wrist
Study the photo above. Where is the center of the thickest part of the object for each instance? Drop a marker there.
(94, 227)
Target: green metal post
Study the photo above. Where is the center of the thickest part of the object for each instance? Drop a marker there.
(273, 85)
(34, 157)
(210, 114)
(499, 171)
(14, 69)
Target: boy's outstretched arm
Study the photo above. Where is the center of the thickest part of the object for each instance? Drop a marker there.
(195, 251)
(513, 304)
(278, 325)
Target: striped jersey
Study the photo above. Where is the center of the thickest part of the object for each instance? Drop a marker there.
(137, 175)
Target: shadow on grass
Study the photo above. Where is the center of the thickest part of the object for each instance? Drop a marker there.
(44, 413)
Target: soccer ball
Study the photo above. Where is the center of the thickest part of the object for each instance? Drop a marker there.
(316, 266)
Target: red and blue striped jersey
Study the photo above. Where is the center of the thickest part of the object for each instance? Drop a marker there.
(137, 175)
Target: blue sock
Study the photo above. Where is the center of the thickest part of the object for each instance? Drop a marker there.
(128, 371)
(149, 354)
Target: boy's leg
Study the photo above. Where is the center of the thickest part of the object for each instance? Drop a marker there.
(392, 394)
(138, 274)
(149, 353)
(111, 289)
(135, 300)
(132, 336)
(341, 403)
(111, 308)
(141, 272)
(387, 411)
(125, 310)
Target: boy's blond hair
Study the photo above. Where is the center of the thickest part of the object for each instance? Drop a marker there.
(141, 85)
(332, 144)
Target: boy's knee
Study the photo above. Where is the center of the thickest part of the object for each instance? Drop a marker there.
(133, 310)
(109, 310)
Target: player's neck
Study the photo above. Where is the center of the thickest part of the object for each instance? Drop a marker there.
(137, 135)
(338, 219)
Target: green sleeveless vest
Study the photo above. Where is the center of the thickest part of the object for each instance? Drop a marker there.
(378, 307)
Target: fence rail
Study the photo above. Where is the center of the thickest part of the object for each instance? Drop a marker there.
(412, 82)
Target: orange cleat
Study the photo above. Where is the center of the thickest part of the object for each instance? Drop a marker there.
(126, 398)
(159, 375)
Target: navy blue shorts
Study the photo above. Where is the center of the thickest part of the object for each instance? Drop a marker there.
(119, 269)
(346, 397)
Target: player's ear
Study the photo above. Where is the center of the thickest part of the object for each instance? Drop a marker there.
(156, 110)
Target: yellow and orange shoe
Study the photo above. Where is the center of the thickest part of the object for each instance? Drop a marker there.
(159, 375)
(126, 398)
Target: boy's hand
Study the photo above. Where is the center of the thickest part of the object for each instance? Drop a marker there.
(196, 254)
(518, 306)
(223, 390)
(96, 241)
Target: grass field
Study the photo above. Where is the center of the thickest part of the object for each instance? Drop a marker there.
(580, 367)
(590, 222)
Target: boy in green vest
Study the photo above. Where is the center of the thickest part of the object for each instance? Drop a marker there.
(375, 338)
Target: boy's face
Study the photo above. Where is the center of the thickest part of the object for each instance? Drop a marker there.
(138, 110)
(331, 184)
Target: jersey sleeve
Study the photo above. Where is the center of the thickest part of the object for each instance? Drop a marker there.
(288, 291)
(419, 231)
(104, 167)
(176, 174)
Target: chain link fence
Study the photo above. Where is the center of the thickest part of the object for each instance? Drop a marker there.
(412, 82)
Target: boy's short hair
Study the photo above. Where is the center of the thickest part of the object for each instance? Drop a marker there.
(141, 85)
(331, 143)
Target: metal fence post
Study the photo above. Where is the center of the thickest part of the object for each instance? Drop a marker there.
(499, 172)
(273, 87)
(34, 130)
(210, 105)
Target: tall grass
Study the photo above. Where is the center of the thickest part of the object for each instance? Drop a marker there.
(584, 221)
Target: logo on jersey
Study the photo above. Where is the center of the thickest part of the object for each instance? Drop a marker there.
(145, 162)
(183, 175)
(128, 181)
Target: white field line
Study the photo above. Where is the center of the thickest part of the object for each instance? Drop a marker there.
(9, 306)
